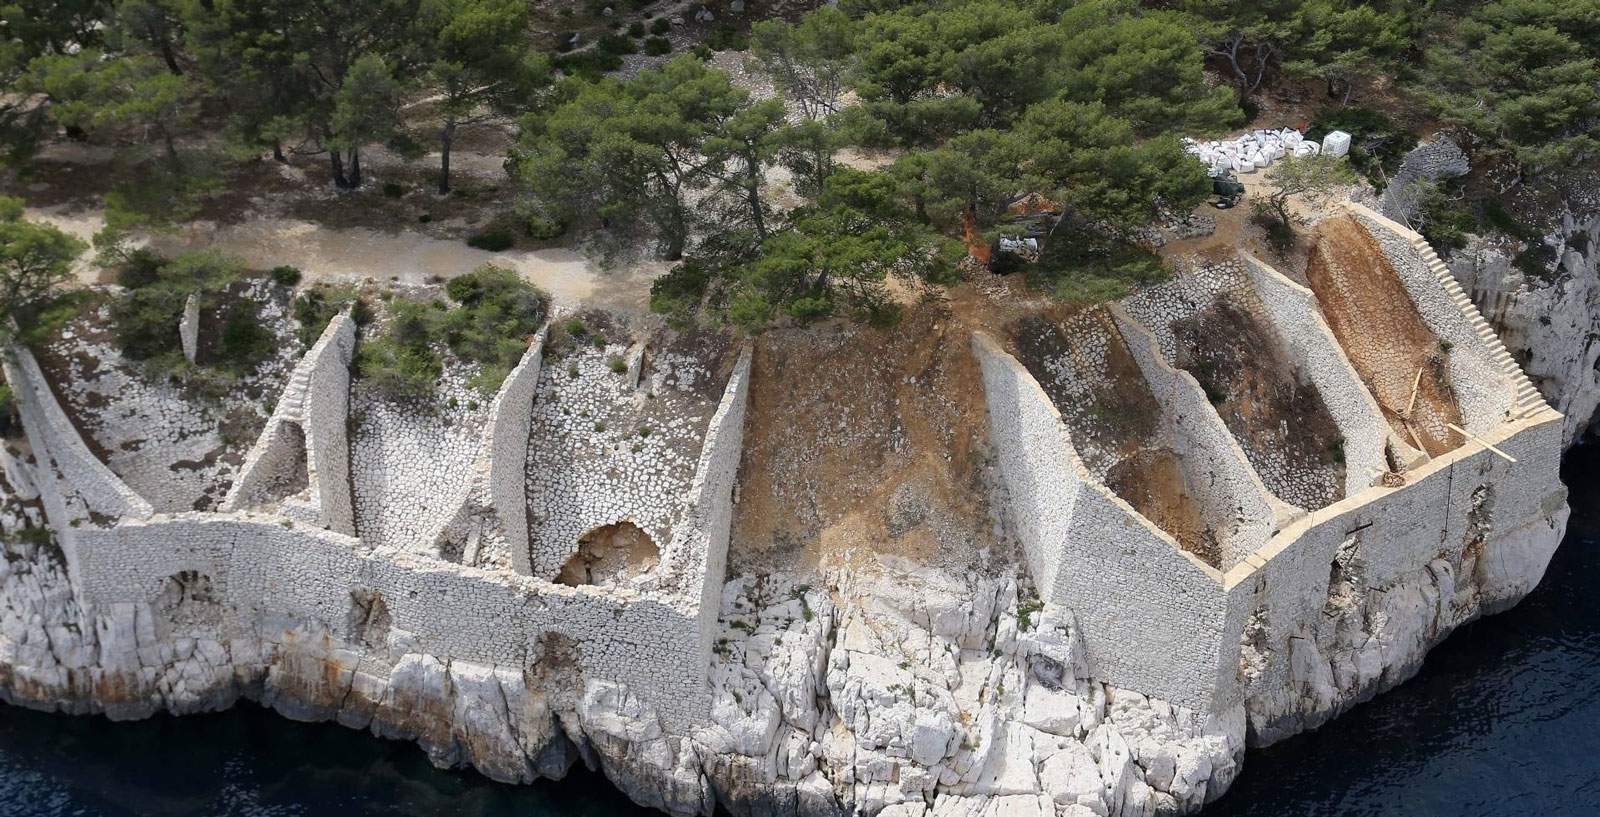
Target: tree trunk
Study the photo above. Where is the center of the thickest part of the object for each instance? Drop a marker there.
(336, 163)
(676, 237)
(446, 137)
(171, 58)
(355, 167)
(752, 188)
(277, 151)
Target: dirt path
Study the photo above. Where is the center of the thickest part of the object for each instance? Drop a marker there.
(351, 254)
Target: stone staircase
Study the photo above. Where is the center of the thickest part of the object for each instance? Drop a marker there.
(295, 393)
(1528, 400)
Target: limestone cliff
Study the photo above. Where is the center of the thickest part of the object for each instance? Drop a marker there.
(1551, 321)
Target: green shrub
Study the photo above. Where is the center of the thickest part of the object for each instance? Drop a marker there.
(636, 29)
(244, 341)
(575, 327)
(679, 293)
(317, 305)
(657, 46)
(540, 227)
(727, 38)
(1081, 266)
(424, 218)
(393, 190)
(617, 365)
(285, 276)
(145, 319)
(493, 239)
(141, 269)
(660, 26)
(8, 410)
(1377, 143)
(402, 362)
(615, 44)
(498, 311)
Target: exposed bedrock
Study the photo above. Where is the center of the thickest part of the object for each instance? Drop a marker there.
(1550, 321)
(1153, 549)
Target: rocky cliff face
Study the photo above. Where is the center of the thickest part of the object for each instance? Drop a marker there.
(908, 692)
(1550, 321)
(897, 690)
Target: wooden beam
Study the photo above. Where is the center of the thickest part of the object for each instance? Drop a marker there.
(1480, 441)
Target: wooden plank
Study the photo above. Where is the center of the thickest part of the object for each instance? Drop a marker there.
(1480, 441)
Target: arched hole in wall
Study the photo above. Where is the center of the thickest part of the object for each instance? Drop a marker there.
(188, 603)
(610, 555)
(369, 621)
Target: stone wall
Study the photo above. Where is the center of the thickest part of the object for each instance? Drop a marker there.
(1483, 384)
(1152, 616)
(696, 559)
(85, 487)
(1292, 309)
(267, 570)
(189, 327)
(1240, 509)
(308, 425)
(1488, 524)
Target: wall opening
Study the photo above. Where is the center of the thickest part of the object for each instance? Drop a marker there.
(188, 603)
(610, 555)
(291, 469)
(369, 621)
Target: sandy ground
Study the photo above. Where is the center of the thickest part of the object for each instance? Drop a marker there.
(352, 254)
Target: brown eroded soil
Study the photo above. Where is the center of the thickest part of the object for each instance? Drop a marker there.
(862, 442)
(1281, 422)
(1153, 482)
(1114, 420)
(1375, 321)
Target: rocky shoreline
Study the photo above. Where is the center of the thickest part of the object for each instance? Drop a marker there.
(907, 692)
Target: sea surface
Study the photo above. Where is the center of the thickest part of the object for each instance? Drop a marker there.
(1504, 719)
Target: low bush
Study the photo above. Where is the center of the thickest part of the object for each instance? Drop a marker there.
(317, 305)
(402, 362)
(145, 319)
(1082, 266)
(660, 26)
(657, 46)
(285, 276)
(393, 190)
(493, 239)
(1377, 143)
(616, 44)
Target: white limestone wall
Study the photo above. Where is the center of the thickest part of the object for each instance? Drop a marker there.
(412, 461)
(85, 485)
(1495, 523)
(1316, 352)
(697, 557)
(316, 402)
(1152, 616)
(1242, 512)
(602, 452)
(327, 412)
(272, 574)
(1484, 386)
(189, 327)
(509, 420)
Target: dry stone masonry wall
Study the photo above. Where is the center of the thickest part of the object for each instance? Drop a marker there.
(1120, 674)
(1293, 629)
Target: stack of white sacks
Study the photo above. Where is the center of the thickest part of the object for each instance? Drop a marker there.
(1258, 149)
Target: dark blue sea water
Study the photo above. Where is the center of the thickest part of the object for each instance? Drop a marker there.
(1503, 720)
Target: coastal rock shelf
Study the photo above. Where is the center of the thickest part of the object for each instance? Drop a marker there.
(1215, 514)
